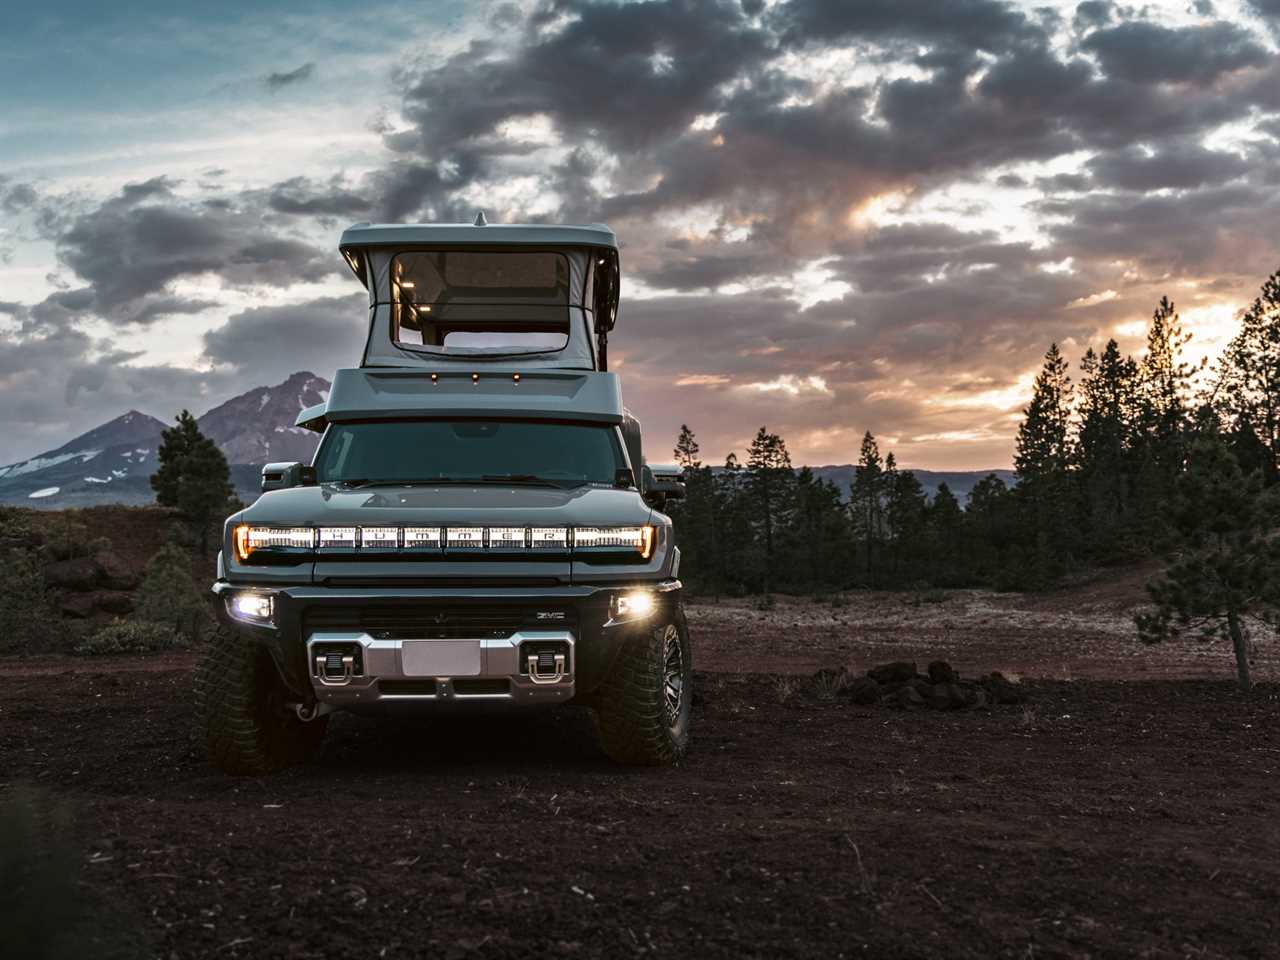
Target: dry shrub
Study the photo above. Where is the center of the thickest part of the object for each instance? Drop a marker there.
(130, 636)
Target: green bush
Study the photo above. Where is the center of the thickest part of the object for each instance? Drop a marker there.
(169, 595)
(15, 524)
(44, 913)
(26, 619)
(69, 537)
(130, 636)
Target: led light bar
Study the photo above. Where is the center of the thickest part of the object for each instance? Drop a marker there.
(248, 540)
(549, 538)
(422, 538)
(464, 538)
(506, 538)
(337, 538)
(379, 538)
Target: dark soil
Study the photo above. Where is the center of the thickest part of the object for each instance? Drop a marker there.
(1101, 819)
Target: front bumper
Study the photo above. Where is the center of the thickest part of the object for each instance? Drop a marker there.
(430, 645)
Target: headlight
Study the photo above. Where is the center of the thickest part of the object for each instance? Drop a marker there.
(253, 540)
(635, 605)
(249, 607)
(638, 538)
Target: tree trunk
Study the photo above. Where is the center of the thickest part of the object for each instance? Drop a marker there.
(1242, 654)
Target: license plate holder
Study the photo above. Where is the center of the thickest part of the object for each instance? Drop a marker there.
(440, 658)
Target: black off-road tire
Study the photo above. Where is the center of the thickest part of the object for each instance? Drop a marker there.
(635, 719)
(242, 713)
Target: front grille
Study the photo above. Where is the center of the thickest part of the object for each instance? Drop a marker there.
(476, 686)
(438, 621)
(407, 688)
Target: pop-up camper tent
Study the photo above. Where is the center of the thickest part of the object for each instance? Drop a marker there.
(542, 296)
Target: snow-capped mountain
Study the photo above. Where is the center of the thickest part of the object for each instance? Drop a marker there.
(113, 463)
(257, 427)
(81, 471)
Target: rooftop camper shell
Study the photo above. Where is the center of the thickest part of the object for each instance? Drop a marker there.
(477, 528)
(444, 294)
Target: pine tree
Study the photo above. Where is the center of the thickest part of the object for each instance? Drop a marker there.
(1043, 445)
(738, 548)
(1249, 389)
(945, 520)
(1227, 567)
(193, 476)
(905, 509)
(686, 450)
(817, 540)
(1104, 450)
(866, 505)
(695, 518)
(771, 487)
(1163, 422)
(1041, 461)
(990, 523)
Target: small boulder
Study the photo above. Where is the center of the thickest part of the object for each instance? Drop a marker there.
(79, 606)
(1002, 690)
(940, 672)
(116, 574)
(923, 687)
(864, 691)
(908, 698)
(899, 672)
(947, 696)
(113, 601)
(78, 573)
(978, 699)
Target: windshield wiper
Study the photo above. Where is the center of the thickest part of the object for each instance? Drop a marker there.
(525, 478)
(398, 482)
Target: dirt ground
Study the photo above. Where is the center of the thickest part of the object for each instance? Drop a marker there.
(1085, 631)
(1117, 813)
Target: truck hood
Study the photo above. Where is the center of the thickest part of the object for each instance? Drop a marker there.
(482, 504)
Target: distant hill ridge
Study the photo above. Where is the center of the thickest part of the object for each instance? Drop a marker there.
(113, 463)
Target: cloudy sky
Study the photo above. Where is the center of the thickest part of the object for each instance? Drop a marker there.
(836, 215)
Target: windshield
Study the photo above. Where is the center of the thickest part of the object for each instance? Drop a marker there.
(495, 451)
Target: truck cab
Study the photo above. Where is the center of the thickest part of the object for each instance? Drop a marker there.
(477, 528)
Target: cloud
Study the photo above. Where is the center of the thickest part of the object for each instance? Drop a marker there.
(278, 81)
(791, 385)
(267, 344)
(1142, 52)
(132, 247)
(302, 197)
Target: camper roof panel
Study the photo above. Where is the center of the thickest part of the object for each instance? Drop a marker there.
(466, 234)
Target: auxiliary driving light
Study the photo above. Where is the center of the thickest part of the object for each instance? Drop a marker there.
(635, 605)
(257, 608)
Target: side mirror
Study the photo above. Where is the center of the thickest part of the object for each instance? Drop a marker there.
(662, 484)
(281, 476)
(624, 479)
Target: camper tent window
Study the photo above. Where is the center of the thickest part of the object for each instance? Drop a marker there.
(476, 302)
